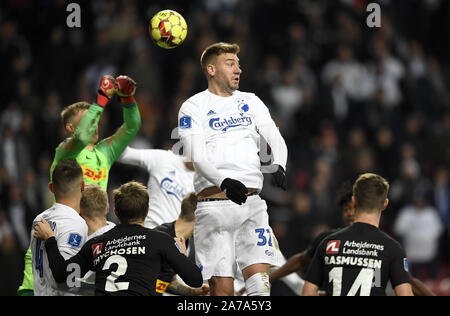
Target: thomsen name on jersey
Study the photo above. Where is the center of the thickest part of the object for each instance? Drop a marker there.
(122, 251)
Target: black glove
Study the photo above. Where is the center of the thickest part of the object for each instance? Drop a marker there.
(279, 178)
(235, 190)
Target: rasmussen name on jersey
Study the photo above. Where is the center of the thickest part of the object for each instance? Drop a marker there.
(353, 261)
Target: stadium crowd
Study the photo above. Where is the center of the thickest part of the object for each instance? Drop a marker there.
(348, 99)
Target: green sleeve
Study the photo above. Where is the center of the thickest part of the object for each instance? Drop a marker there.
(26, 289)
(114, 145)
(71, 147)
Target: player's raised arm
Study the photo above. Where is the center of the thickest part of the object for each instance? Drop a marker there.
(114, 145)
(144, 158)
(81, 125)
(270, 132)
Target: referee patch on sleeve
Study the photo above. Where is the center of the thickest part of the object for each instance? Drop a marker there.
(185, 122)
(74, 240)
(405, 264)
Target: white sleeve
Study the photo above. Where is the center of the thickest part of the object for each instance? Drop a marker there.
(195, 150)
(143, 158)
(270, 132)
(71, 240)
(272, 135)
(194, 147)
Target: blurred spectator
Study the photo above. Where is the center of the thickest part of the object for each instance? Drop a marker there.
(7, 242)
(321, 200)
(288, 97)
(409, 175)
(441, 199)
(389, 71)
(420, 227)
(386, 150)
(300, 226)
(347, 72)
(8, 156)
(442, 194)
(17, 213)
(10, 258)
(356, 153)
(142, 67)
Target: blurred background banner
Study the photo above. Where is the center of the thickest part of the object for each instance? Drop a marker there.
(348, 98)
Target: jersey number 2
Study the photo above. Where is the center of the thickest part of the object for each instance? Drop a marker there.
(111, 285)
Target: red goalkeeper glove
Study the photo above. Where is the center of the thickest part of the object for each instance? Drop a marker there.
(107, 88)
(126, 89)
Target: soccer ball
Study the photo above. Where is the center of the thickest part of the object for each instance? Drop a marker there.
(168, 29)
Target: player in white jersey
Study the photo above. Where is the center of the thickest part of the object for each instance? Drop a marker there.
(170, 180)
(94, 207)
(69, 227)
(220, 129)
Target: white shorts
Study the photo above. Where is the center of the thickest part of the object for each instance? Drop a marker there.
(229, 236)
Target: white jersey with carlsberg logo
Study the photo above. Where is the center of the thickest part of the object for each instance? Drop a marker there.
(229, 126)
(70, 232)
(168, 183)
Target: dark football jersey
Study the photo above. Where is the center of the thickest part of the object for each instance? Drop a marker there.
(127, 260)
(316, 242)
(166, 275)
(358, 260)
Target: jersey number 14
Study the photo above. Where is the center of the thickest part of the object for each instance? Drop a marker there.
(364, 281)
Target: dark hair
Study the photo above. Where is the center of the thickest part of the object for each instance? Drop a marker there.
(66, 176)
(344, 194)
(188, 207)
(131, 202)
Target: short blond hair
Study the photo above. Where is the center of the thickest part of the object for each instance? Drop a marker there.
(211, 52)
(370, 191)
(94, 201)
(69, 112)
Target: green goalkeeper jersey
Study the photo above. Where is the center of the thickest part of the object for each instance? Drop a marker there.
(95, 164)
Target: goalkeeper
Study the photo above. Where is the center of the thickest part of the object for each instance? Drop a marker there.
(80, 121)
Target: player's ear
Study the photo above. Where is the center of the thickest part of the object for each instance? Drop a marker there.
(386, 202)
(353, 203)
(211, 69)
(82, 185)
(107, 208)
(50, 187)
(69, 128)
